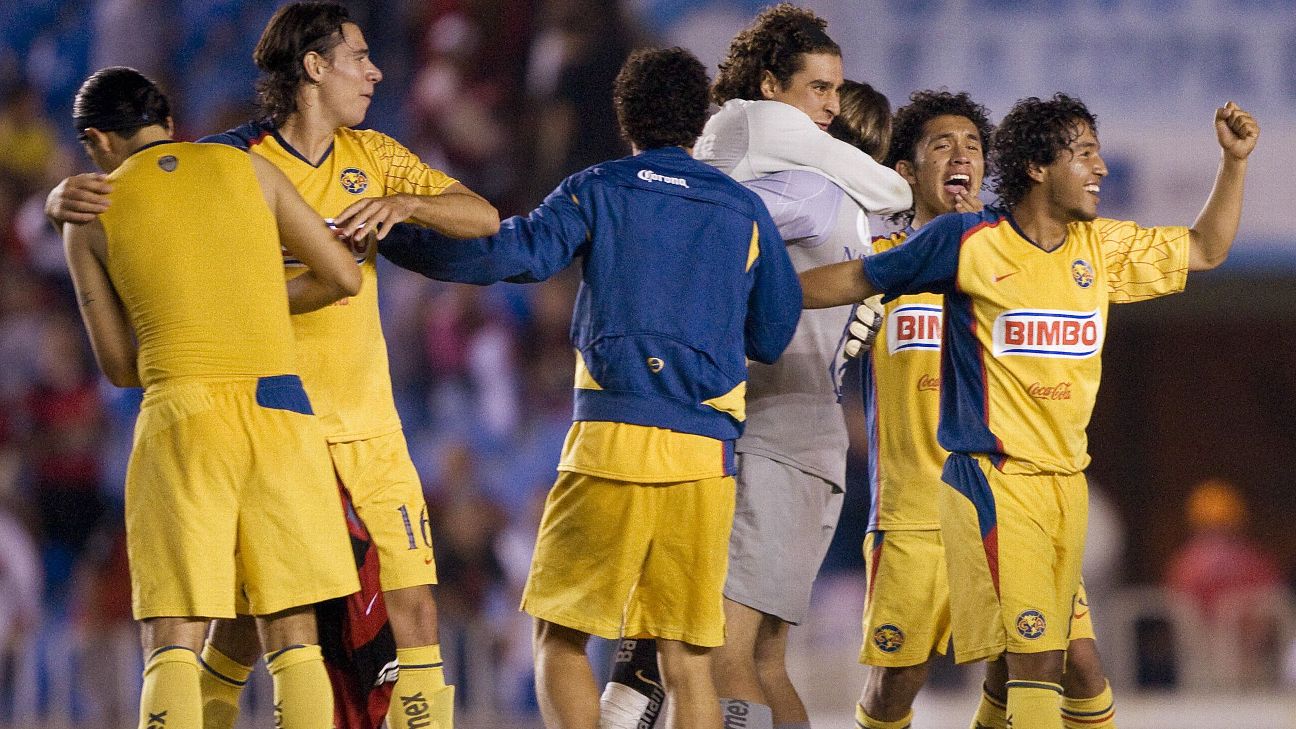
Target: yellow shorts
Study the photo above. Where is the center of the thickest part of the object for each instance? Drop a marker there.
(230, 488)
(619, 559)
(906, 607)
(1081, 620)
(388, 497)
(1013, 544)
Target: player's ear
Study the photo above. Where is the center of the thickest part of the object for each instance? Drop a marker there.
(769, 85)
(169, 126)
(906, 170)
(1035, 172)
(313, 64)
(98, 141)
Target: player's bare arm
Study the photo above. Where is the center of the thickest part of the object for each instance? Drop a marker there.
(333, 273)
(837, 284)
(457, 212)
(78, 199)
(111, 336)
(1216, 226)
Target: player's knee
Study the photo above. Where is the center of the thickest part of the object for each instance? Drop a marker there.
(295, 626)
(1043, 666)
(236, 638)
(413, 615)
(891, 690)
(548, 638)
(1084, 676)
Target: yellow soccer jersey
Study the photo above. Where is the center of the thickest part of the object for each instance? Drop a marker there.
(343, 355)
(200, 280)
(1024, 328)
(902, 407)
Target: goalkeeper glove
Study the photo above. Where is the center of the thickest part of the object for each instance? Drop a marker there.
(864, 326)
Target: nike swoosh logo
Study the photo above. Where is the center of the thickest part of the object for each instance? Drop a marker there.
(428, 560)
(372, 600)
(1077, 616)
(640, 675)
(997, 279)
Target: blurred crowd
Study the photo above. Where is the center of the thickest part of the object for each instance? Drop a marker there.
(508, 96)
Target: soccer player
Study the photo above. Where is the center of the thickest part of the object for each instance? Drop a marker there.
(1027, 286)
(180, 286)
(684, 276)
(940, 140)
(317, 82)
(779, 90)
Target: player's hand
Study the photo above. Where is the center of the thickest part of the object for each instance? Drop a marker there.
(1237, 131)
(78, 199)
(375, 214)
(967, 202)
(864, 326)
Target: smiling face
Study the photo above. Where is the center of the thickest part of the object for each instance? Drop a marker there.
(347, 78)
(948, 160)
(812, 89)
(1072, 182)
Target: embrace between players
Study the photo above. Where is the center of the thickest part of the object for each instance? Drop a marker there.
(696, 492)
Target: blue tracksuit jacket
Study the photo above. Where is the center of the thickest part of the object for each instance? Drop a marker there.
(684, 277)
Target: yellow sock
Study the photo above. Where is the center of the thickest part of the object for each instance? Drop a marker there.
(864, 721)
(1094, 713)
(303, 698)
(421, 699)
(991, 713)
(170, 698)
(1034, 705)
(222, 680)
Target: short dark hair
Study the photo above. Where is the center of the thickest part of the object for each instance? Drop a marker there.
(293, 31)
(775, 42)
(864, 120)
(660, 97)
(118, 99)
(1034, 132)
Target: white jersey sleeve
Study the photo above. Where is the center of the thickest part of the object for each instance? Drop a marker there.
(749, 139)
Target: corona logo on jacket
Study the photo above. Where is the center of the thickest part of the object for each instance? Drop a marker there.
(1048, 333)
(914, 326)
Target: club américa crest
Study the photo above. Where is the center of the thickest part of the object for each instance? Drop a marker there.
(1082, 272)
(888, 638)
(354, 180)
(1030, 624)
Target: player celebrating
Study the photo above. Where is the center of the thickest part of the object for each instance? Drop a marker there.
(1027, 288)
(317, 83)
(682, 265)
(779, 91)
(939, 149)
(228, 483)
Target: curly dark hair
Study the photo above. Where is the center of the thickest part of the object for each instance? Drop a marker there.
(864, 120)
(660, 97)
(118, 99)
(774, 42)
(293, 31)
(1034, 132)
(910, 120)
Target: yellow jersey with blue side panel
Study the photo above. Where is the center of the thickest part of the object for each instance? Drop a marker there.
(1024, 327)
(201, 284)
(341, 349)
(684, 276)
(902, 409)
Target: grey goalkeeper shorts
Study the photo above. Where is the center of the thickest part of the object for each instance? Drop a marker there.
(784, 520)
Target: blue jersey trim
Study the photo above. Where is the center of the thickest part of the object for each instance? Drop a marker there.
(964, 425)
(964, 475)
(283, 392)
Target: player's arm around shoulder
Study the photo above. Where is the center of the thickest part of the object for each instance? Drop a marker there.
(1216, 226)
(418, 194)
(111, 337)
(333, 273)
